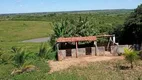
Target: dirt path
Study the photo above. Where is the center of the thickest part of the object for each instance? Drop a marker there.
(61, 65)
(38, 40)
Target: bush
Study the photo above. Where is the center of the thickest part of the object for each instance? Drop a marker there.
(46, 52)
(51, 54)
(42, 50)
(20, 56)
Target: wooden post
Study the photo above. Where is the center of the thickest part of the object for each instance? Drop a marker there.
(76, 43)
(96, 51)
(57, 47)
(113, 39)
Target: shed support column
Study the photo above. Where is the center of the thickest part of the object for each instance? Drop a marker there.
(76, 43)
(96, 51)
(58, 54)
(114, 39)
(57, 46)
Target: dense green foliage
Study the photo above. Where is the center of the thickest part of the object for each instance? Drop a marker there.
(74, 28)
(88, 25)
(133, 27)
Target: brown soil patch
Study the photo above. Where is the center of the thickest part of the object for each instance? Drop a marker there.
(61, 65)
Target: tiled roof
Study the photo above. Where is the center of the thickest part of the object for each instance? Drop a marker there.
(74, 39)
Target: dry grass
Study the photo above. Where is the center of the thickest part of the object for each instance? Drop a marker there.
(82, 61)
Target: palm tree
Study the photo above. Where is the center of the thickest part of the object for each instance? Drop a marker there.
(20, 56)
(131, 56)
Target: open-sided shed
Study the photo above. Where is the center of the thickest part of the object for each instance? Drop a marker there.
(65, 49)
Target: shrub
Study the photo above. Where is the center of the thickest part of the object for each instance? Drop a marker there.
(51, 54)
(20, 56)
(131, 56)
(46, 52)
(42, 50)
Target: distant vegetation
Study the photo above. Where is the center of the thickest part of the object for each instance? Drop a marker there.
(57, 16)
(102, 21)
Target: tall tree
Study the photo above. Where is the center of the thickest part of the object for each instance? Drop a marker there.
(82, 27)
(133, 27)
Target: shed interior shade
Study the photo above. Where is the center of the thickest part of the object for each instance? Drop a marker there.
(74, 39)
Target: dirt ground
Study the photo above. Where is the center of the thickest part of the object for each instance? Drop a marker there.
(61, 65)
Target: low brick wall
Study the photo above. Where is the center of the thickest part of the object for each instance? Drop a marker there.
(121, 48)
(81, 52)
(118, 49)
(93, 51)
(114, 50)
(101, 51)
(62, 54)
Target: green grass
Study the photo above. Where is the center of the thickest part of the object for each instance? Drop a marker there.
(5, 71)
(106, 70)
(32, 47)
(12, 31)
(6, 46)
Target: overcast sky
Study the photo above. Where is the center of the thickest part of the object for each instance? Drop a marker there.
(26, 6)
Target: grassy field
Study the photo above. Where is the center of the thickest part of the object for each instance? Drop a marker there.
(106, 70)
(12, 32)
(32, 47)
(22, 30)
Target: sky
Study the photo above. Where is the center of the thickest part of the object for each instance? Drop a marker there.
(28, 6)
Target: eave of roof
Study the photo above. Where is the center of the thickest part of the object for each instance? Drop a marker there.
(76, 39)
